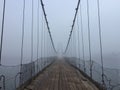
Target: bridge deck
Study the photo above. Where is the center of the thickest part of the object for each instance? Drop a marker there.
(61, 76)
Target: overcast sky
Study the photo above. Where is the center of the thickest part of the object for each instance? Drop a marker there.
(60, 15)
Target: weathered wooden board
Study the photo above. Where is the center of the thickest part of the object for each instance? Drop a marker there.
(61, 76)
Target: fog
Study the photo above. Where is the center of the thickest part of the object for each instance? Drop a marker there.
(60, 15)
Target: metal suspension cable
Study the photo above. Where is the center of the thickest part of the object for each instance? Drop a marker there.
(74, 42)
(32, 37)
(78, 41)
(44, 43)
(47, 48)
(82, 37)
(23, 30)
(2, 30)
(72, 49)
(42, 40)
(100, 38)
(47, 25)
(22, 44)
(89, 38)
(72, 25)
(38, 34)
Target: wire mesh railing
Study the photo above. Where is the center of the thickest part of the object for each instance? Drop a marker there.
(10, 80)
(111, 76)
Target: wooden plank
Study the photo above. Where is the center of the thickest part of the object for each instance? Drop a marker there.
(61, 76)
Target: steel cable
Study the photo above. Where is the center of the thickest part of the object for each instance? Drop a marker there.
(89, 38)
(72, 26)
(79, 55)
(2, 30)
(48, 28)
(100, 39)
(38, 35)
(42, 40)
(82, 38)
(32, 38)
(22, 43)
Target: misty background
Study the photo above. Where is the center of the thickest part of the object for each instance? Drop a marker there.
(60, 15)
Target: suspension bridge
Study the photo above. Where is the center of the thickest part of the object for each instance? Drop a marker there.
(40, 66)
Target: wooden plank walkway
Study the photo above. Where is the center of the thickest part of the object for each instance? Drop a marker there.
(61, 76)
